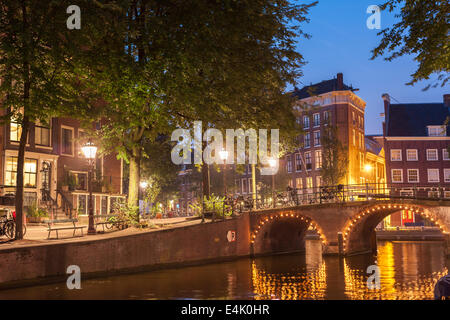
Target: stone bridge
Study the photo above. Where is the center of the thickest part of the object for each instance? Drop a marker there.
(344, 228)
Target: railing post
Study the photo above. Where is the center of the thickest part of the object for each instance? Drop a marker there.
(367, 191)
(320, 195)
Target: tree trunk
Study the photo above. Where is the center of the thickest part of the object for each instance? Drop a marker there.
(19, 179)
(205, 181)
(135, 174)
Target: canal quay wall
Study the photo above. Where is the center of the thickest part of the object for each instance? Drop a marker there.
(176, 247)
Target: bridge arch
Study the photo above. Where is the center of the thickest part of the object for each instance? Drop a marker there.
(359, 230)
(278, 232)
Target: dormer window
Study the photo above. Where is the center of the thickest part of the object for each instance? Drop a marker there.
(436, 131)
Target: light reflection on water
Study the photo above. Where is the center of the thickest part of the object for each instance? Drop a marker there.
(409, 270)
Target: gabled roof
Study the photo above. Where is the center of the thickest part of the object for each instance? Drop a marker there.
(372, 145)
(320, 88)
(411, 120)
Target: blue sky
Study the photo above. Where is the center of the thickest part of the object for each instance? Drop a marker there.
(341, 42)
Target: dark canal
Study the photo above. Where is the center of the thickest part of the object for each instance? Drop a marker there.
(409, 270)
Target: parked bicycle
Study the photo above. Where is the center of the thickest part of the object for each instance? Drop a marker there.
(8, 226)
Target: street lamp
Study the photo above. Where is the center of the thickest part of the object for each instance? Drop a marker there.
(143, 184)
(90, 151)
(224, 156)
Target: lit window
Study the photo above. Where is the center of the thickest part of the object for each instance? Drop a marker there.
(318, 159)
(354, 137)
(397, 175)
(396, 155)
(413, 175)
(411, 155)
(11, 171)
(299, 184)
(433, 175)
(15, 131)
(30, 172)
(309, 183)
(432, 154)
(318, 181)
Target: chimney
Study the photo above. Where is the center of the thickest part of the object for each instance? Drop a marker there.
(387, 103)
(340, 81)
(447, 100)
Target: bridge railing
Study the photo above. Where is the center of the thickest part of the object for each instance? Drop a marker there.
(334, 194)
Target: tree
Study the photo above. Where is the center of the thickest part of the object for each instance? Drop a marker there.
(422, 32)
(334, 157)
(226, 63)
(34, 65)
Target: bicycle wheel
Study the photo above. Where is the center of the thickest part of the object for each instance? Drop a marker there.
(10, 229)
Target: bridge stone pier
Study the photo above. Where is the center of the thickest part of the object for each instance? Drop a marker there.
(344, 228)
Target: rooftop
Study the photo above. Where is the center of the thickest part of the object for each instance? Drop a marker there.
(336, 84)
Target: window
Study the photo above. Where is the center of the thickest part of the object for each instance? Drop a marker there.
(437, 131)
(353, 117)
(411, 155)
(316, 119)
(354, 137)
(289, 164)
(413, 175)
(316, 138)
(30, 173)
(309, 183)
(244, 186)
(291, 183)
(80, 180)
(308, 161)
(11, 171)
(305, 122)
(67, 141)
(82, 207)
(432, 154)
(433, 175)
(104, 205)
(15, 131)
(299, 184)
(318, 181)
(396, 155)
(307, 140)
(446, 175)
(445, 155)
(42, 134)
(298, 162)
(397, 175)
(326, 117)
(361, 161)
(318, 157)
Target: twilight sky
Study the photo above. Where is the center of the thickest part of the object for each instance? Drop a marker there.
(341, 42)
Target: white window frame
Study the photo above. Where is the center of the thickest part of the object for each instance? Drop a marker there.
(436, 152)
(314, 139)
(445, 152)
(401, 155)
(309, 140)
(446, 172)
(441, 131)
(428, 175)
(418, 177)
(316, 124)
(416, 157)
(392, 175)
(305, 122)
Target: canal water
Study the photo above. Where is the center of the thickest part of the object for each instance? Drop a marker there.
(408, 270)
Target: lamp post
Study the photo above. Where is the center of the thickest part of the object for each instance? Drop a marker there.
(224, 156)
(90, 151)
(272, 164)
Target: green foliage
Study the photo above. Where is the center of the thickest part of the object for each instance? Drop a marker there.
(34, 211)
(214, 204)
(127, 213)
(334, 157)
(423, 31)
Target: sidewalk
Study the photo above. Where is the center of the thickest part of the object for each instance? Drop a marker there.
(37, 233)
